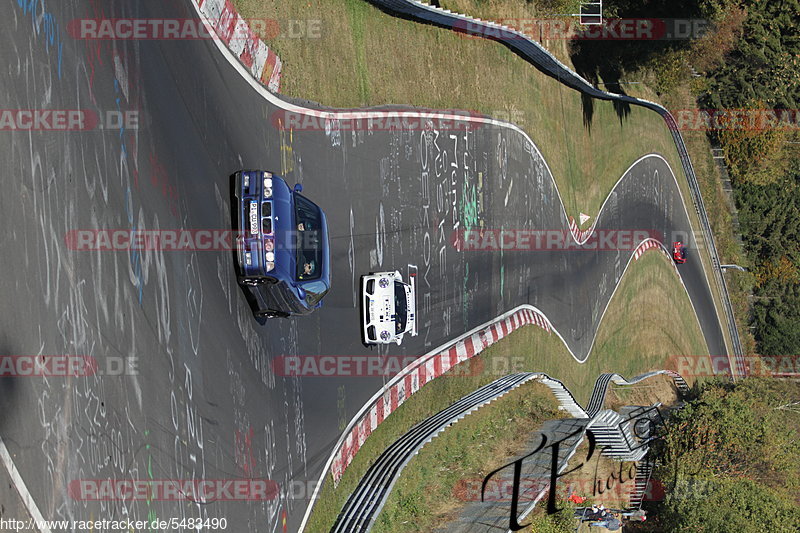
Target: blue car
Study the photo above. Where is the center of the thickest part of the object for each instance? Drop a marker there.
(282, 245)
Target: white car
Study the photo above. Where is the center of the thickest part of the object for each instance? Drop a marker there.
(389, 307)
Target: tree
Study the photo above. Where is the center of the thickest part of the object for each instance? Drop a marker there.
(763, 64)
(777, 321)
(754, 142)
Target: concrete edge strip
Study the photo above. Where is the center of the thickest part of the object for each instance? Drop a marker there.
(22, 489)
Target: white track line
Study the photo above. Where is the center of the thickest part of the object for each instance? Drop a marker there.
(22, 489)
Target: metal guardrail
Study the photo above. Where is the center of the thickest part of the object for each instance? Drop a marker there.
(534, 53)
(367, 500)
(598, 397)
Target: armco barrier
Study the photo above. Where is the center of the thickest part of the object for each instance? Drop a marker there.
(540, 57)
(367, 500)
(263, 64)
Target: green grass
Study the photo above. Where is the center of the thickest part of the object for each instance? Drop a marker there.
(627, 343)
(357, 14)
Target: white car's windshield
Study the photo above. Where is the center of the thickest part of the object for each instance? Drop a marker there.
(400, 307)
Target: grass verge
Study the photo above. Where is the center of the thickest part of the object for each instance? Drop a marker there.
(627, 343)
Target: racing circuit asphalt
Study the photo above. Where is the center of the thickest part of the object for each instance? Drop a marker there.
(205, 401)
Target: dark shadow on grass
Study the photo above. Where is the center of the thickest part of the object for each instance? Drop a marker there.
(587, 107)
(466, 32)
(590, 64)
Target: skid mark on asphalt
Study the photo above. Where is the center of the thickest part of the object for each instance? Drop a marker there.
(351, 257)
(287, 152)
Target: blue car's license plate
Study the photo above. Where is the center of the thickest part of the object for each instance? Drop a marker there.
(254, 218)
